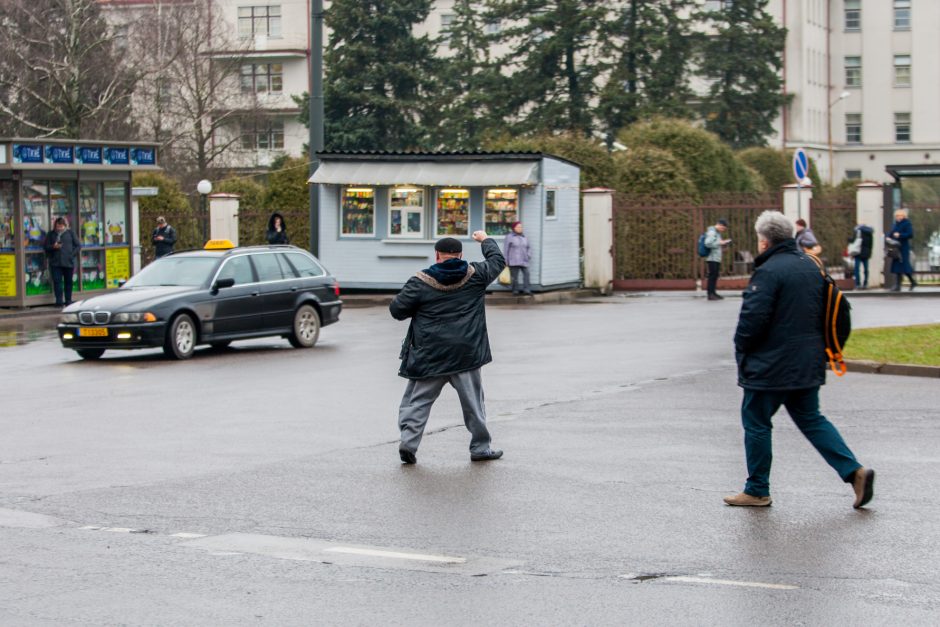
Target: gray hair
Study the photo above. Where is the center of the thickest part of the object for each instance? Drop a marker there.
(774, 227)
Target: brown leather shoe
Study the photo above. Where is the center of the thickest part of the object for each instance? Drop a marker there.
(864, 485)
(746, 500)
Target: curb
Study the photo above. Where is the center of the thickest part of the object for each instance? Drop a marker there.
(904, 370)
(358, 301)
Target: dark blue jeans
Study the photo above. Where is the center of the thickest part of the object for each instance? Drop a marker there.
(861, 264)
(757, 409)
(60, 275)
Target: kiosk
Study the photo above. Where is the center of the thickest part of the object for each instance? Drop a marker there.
(381, 213)
(86, 182)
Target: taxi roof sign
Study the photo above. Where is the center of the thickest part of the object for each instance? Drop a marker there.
(219, 244)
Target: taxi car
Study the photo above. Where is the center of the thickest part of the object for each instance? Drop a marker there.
(211, 296)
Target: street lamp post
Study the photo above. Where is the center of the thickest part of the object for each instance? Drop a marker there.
(204, 188)
(841, 97)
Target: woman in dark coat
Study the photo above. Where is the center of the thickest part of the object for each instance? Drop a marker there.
(903, 231)
(277, 230)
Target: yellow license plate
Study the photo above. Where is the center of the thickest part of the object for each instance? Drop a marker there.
(93, 332)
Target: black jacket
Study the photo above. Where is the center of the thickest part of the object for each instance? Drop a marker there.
(447, 334)
(779, 342)
(62, 257)
(274, 236)
(164, 246)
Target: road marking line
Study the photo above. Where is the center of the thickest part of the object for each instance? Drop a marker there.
(442, 559)
(119, 529)
(188, 536)
(731, 582)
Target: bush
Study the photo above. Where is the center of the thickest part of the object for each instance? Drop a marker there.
(776, 167)
(597, 166)
(251, 194)
(287, 186)
(711, 164)
(171, 203)
(647, 170)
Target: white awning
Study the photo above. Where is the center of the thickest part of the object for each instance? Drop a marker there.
(430, 173)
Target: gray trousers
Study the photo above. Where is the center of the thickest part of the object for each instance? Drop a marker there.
(420, 396)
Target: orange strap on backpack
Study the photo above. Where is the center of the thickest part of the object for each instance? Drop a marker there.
(836, 361)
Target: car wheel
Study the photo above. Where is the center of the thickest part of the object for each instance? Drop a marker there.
(180, 338)
(90, 353)
(306, 327)
(219, 346)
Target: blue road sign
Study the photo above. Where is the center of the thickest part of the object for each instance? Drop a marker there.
(800, 165)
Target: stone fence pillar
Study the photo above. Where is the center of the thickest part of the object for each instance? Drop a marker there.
(796, 202)
(223, 217)
(869, 209)
(598, 207)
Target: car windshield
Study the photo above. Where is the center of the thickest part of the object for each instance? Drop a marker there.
(188, 271)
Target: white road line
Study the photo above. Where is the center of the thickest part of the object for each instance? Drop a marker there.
(188, 536)
(419, 557)
(731, 582)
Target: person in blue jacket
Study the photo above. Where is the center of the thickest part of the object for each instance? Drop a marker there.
(903, 231)
(780, 348)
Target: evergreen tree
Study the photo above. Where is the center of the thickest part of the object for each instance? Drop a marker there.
(651, 44)
(742, 59)
(554, 46)
(378, 75)
(470, 98)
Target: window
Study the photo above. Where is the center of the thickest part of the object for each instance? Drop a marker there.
(902, 70)
(358, 211)
(492, 27)
(267, 267)
(550, 203)
(853, 14)
(902, 14)
(305, 265)
(712, 6)
(238, 268)
(902, 128)
(261, 78)
(406, 212)
(268, 135)
(501, 209)
(115, 214)
(853, 128)
(446, 20)
(7, 220)
(453, 212)
(853, 175)
(853, 71)
(255, 21)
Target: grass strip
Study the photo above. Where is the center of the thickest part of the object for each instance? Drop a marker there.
(917, 344)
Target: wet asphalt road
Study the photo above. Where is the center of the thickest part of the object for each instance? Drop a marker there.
(620, 424)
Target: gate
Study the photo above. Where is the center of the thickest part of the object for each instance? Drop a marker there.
(925, 246)
(655, 238)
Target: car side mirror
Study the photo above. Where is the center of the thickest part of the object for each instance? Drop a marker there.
(223, 283)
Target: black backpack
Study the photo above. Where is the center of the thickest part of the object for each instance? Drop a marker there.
(837, 319)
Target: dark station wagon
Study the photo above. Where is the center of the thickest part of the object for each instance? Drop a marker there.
(212, 296)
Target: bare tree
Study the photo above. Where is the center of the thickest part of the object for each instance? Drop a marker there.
(60, 72)
(189, 97)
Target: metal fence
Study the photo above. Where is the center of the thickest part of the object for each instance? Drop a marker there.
(656, 237)
(925, 246)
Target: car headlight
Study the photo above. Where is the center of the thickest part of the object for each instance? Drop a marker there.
(69, 318)
(137, 316)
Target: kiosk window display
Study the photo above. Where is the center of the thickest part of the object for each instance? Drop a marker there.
(406, 212)
(358, 211)
(453, 212)
(7, 241)
(502, 209)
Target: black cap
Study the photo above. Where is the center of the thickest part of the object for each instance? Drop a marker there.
(722, 222)
(448, 245)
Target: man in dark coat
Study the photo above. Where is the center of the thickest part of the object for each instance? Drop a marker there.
(446, 342)
(779, 347)
(903, 232)
(62, 247)
(163, 238)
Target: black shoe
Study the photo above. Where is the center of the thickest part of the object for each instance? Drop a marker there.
(528, 294)
(487, 455)
(407, 457)
(863, 482)
(913, 285)
(517, 293)
(714, 297)
(59, 305)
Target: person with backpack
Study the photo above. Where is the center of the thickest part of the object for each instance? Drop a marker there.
(780, 348)
(711, 246)
(860, 245)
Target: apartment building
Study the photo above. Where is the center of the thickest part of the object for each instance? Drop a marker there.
(863, 75)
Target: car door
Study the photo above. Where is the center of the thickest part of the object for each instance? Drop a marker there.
(313, 278)
(237, 308)
(278, 290)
